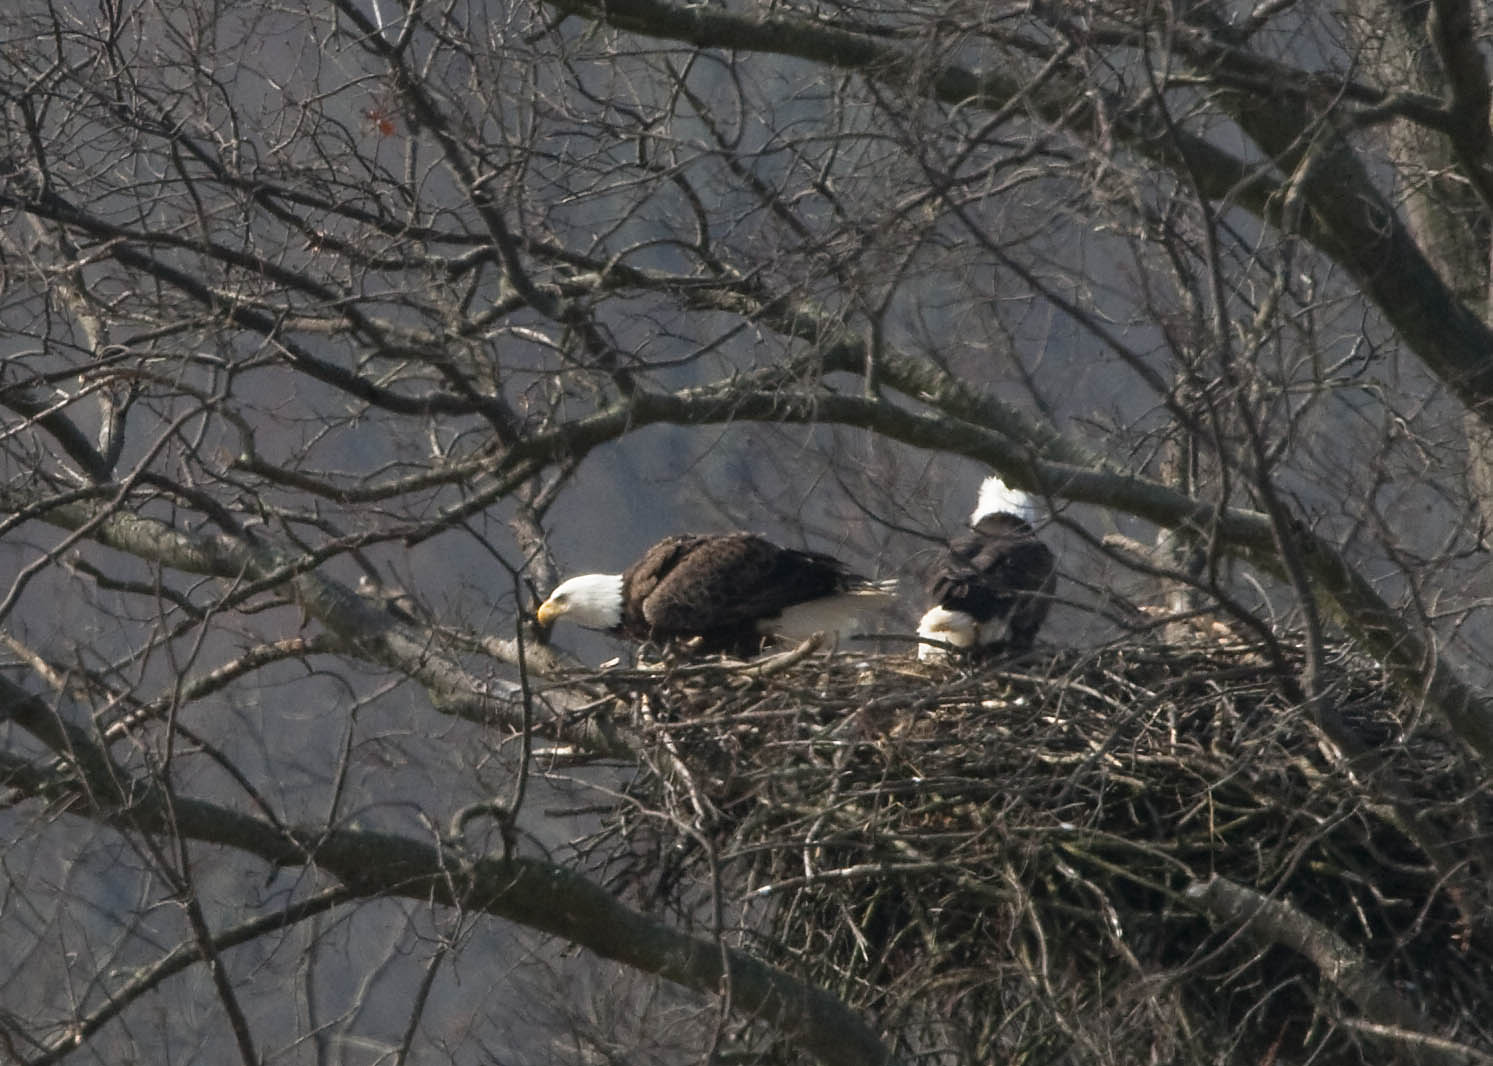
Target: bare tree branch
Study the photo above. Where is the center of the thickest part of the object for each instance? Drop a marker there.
(540, 895)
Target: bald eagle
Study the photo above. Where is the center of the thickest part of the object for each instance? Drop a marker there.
(726, 592)
(993, 587)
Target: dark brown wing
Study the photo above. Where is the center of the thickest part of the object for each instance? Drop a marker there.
(702, 584)
(1031, 607)
(642, 578)
(999, 570)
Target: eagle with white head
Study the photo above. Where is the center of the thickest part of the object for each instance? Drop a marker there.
(721, 592)
(992, 588)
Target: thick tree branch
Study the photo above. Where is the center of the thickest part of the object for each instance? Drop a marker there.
(1276, 921)
(1348, 220)
(379, 636)
(1454, 32)
(542, 896)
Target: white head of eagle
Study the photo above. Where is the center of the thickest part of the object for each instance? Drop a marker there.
(721, 592)
(991, 589)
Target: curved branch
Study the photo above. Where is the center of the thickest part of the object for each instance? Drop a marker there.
(148, 979)
(1348, 220)
(133, 251)
(62, 428)
(361, 628)
(1275, 921)
(539, 895)
(1453, 30)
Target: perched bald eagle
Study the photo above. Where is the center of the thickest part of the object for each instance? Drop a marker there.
(993, 587)
(725, 592)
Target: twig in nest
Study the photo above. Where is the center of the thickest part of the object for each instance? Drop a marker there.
(785, 660)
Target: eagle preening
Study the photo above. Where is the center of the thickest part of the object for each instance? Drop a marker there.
(725, 592)
(993, 587)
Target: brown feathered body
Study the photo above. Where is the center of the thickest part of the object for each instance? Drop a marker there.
(991, 591)
(722, 592)
(1002, 577)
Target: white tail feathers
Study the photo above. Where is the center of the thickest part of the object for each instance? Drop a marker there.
(841, 614)
(950, 627)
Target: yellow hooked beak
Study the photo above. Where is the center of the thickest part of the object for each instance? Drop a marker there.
(549, 610)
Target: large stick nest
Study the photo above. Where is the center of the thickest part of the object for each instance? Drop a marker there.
(1142, 854)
